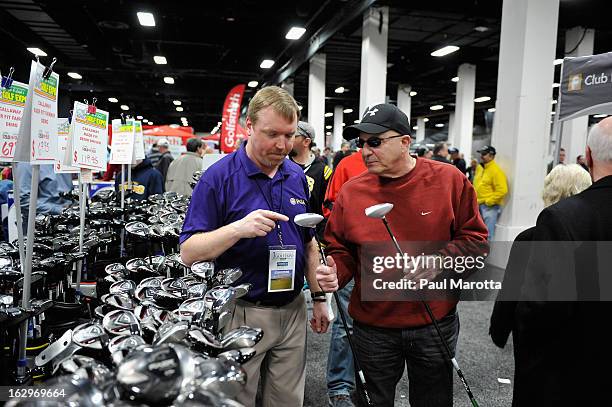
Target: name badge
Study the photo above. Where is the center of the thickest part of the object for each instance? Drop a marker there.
(281, 270)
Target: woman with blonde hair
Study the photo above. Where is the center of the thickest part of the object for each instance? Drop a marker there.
(563, 182)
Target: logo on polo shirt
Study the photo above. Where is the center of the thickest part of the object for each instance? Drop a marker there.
(295, 201)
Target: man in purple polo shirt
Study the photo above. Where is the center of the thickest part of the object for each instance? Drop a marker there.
(241, 215)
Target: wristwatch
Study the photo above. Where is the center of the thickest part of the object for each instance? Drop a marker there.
(318, 296)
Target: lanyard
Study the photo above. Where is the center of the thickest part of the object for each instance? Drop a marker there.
(279, 231)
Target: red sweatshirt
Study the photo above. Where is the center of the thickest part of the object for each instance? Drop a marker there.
(433, 202)
(348, 168)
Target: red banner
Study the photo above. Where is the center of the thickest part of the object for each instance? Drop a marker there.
(230, 128)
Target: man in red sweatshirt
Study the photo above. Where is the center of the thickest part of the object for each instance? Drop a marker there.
(434, 202)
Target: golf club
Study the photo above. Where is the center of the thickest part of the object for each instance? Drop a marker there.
(378, 212)
(311, 220)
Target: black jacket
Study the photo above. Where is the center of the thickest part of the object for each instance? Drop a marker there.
(163, 164)
(460, 163)
(146, 181)
(563, 346)
(441, 159)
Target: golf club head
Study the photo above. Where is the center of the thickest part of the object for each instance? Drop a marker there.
(197, 290)
(241, 337)
(125, 343)
(171, 332)
(175, 286)
(86, 368)
(228, 276)
(123, 287)
(121, 302)
(204, 341)
(166, 300)
(191, 309)
(223, 376)
(121, 322)
(116, 269)
(224, 318)
(308, 220)
(133, 264)
(378, 211)
(136, 228)
(241, 355)
(55, 349)
(90, 335)
(203, 269)
(163, 316)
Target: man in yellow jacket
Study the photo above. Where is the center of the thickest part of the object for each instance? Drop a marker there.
(491, 188)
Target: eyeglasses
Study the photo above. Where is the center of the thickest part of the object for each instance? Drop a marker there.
(374, 141)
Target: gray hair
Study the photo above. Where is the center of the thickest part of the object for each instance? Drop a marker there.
(600, 142)
(563, 182)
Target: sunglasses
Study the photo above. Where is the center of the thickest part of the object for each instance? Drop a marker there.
(374, 141)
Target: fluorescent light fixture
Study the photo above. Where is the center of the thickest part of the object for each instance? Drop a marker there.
(413, 93)
(169, 80)
(113, 100)
(440, 125)
(37, 51)
(554, 102)
(328, 133)
(150, 123)
(125, 107)
(146, 19)
(300, 107)
(552, 113)
(357, 121)
(491, 109)
(555, 85)
(184, 119)
(558, 61)
(295, 33)
(449, 49)
(138, 117)
(177, 102)
(179, 109)
(482, 99)
(339, 89)
(415, 127)
(253, 84)
(426, 119)
(436, 107)
(481, 28)
(600, 116)
(74, 75)
(328, 127)
(266, 64)
(329, 114)
(348, 111)
(343, 124)
(186, 124)
(455, 79)
(160, 60)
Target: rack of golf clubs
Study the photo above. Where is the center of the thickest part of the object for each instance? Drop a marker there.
(156, 331)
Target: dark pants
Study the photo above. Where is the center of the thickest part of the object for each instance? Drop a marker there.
(382, 353)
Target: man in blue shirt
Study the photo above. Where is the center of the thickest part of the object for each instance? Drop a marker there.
(241, 215)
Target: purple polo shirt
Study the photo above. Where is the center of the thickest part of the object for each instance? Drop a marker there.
(232, 188)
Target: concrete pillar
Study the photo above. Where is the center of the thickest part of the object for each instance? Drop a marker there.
(464, 109)
(451, 130)
(420, 133)
(404, 100)
(337, 135)
(522, 119)
(373, 85)
(316, 97)
(575, 131)
(287, 84)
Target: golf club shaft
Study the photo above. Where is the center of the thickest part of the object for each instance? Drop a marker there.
(436, 326)
(348, 333)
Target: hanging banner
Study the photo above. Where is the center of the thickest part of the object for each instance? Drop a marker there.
(138, 151)
(122, 146)
(229, 121)
(586, 86)
(37, 140)
(64, 130)
(12, 105)
(89, 141)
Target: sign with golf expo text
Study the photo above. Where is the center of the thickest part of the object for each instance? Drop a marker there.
(89, 141)
(138, 151)
(64, 130)
(586, 86)
(230, 118)
(37, 141)
(122, 145)
(12, 105)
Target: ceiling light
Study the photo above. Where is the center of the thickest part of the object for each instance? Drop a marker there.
(146, 19)
(491, 110)
(186, 124)
(481, 28)
(482, 99)
(179, 109)
(436, 107)
(295, 33)
(328, 133)
(449, 49)
(125, 107)
(266, 64)
(413, 93)
(139, 117)
(348, 111)
(553, 113)
(415, 127)
(184, 119)
(599, 116)
(113, 100)
(555, 85)
(300, 107)
(554, 102)
(74, 75)
(169, 80)
(37, 51)
(356, 121)
(426, 119)
(150, 123)
(339, 89)
(440, 125)
(160, 60)
(455, 79)
(328, 114)
(558, 61)
(177, 102)
(253, 84)
(328, 127)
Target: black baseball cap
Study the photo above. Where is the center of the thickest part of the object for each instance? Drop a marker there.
(487, 150)
(453, 150)
(378, 119)
(305, 129)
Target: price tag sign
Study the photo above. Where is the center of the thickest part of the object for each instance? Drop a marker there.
(122, 146)
(89, 139)
(12, 105)
(64, 130)
(37, 140)
(139, 152)
(86, 176)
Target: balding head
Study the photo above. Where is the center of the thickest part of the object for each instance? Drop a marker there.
(599, 149)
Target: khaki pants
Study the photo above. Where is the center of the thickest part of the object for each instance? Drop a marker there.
(281, 354)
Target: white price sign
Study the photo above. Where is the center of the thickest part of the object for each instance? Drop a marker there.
(64, 130)
(139, 152)
(122, 145)
(12, 105)
(89, 139)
